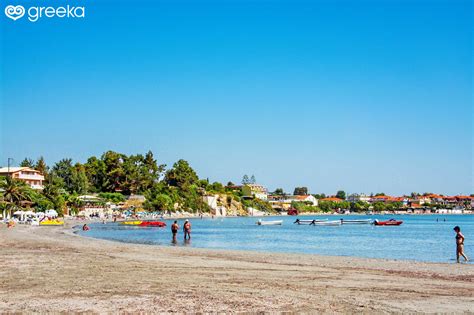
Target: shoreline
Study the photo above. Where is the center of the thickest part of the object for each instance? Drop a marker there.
(72, 232)
(51, 269)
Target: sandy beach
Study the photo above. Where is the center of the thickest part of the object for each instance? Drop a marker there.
(49, 269)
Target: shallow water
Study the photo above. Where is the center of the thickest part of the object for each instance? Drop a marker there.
(420, 237)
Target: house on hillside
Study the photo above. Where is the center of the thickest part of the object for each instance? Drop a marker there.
(30, 176)
(256, 191)
(305, 198)
(358, 197)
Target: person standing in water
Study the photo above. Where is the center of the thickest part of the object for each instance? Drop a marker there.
(187, 229)
(459, 244)
(174, 229)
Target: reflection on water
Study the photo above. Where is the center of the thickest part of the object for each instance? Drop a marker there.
(425, 238)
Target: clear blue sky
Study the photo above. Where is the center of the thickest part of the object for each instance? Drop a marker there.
(365, 96)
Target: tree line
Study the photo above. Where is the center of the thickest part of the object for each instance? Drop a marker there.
(111, 176)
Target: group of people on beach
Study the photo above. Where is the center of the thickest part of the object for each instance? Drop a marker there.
(186, 230)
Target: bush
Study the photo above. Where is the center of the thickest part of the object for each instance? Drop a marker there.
(112, 197)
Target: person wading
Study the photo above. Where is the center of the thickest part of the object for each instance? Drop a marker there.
(459, 244)
(187, 230)
(174, 230)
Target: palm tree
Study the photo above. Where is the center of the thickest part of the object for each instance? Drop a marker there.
(15, 193)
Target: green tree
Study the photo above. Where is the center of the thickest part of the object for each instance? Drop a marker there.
(16, 193)
(360, 206)
(181, 176)
(115, 176)
(27, 163)
(160, 202)
(63, 170)
(55, 193)
(112, 197)
(253, 180)
(245, 180)
(216, 187)
(41, 166)
(341, 194)
(79, 183)
(302, 191)
(96, 174)
(379, 206)
(279, 192)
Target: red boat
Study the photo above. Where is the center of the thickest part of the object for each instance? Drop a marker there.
(153, 223)
(292, 211)
(389, 222)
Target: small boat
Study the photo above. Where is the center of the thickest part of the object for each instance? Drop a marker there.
(276, 222)
(136, 222)
(153, 224)
(327, 223)
(50, 222)
(301, 222)
(363, 221)
(388, 223)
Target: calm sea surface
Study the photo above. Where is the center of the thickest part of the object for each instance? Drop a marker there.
(418, 238)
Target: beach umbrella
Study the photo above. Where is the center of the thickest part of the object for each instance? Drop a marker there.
(51, 212)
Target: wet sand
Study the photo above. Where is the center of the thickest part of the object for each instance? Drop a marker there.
(48, 269)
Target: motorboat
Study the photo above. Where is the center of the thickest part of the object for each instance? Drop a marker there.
(327, 223)
(362, 221)
(307, 222)
(391, 222)
(276, 222)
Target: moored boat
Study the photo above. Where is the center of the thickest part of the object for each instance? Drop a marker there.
(362, 221)
(301, 222)
(276, 222)
(327, 223)
(391, 222)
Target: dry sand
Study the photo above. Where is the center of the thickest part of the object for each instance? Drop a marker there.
(48, 269)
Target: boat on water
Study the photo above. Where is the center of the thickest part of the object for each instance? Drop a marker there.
(276, 222)
(306, 222)
(327, 223)
(391, 222)
(136, 222)
(152, 224)
(362, 221)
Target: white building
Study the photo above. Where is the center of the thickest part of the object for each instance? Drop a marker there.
(254, 190)
(211, 201)
(304, 198)
(31, 176)
(358, 197)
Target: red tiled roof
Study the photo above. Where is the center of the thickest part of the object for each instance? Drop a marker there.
(301, 197)
(332, 199)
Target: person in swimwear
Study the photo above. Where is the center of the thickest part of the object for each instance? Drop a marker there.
(187, 229)
(85, 227)
(459, 244)
(174, 229)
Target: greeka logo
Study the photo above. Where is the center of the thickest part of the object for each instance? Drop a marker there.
(14, 12)
(36, 13)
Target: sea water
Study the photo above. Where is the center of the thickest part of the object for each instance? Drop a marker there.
(421, 237)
